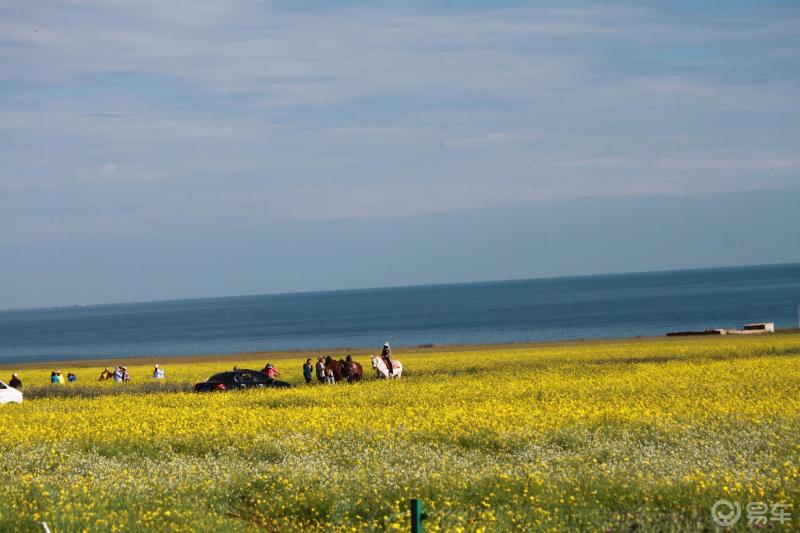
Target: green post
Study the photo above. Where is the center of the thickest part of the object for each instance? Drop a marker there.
(416, 516)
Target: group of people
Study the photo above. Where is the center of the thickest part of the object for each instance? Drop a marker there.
(57, 379)
(325, 374)
(120, 374)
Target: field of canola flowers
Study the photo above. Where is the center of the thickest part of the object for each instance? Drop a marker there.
(602, 436)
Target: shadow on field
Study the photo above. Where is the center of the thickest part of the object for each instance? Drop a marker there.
(729, 356)
(637, 360)
(78, 391)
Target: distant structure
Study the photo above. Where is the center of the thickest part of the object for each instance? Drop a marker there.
(691, 333)
(755, 328)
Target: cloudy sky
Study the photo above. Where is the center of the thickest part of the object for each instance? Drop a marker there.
(209, 148)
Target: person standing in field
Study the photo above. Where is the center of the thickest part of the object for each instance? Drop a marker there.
(348, 371)
(330, 379)
(321, 369)
(59, 377)
(71, 377)
(158, 372)
(15, 382)
(118, 374)
(386, 354)
(271, 371)
(125, 376)
(308, 371)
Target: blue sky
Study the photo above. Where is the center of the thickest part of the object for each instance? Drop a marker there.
(213, 123)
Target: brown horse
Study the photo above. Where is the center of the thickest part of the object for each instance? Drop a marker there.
(338, 368)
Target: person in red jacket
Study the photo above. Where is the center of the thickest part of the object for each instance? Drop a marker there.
(271, 371)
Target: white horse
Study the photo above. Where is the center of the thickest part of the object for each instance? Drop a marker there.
(383, 371)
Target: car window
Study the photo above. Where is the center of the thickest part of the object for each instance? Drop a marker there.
(262, 378)
(244, 378)
(2, 385)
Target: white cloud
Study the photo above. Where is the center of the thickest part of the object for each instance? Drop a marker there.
(110, 172)
(496, 137)
(257, 113)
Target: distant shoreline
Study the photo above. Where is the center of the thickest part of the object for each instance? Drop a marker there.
(405, 350)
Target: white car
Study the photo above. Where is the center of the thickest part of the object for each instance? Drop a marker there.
(8, 394)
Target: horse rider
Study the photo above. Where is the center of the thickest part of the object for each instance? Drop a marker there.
(386, 354)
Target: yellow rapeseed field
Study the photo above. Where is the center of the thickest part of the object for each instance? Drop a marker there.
(616, 435)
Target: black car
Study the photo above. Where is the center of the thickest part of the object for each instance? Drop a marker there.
(239, 380)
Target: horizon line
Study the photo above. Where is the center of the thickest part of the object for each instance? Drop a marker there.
(388, 287)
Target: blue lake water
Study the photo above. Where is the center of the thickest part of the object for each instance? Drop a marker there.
(620, 305)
